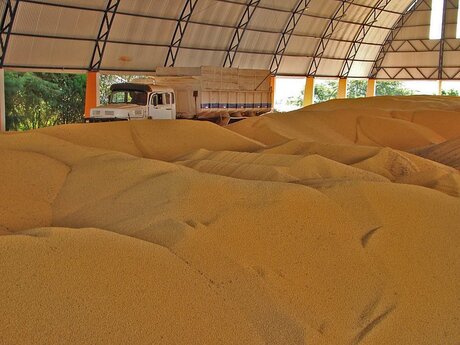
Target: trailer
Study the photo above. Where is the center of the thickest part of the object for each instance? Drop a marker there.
(215, 94)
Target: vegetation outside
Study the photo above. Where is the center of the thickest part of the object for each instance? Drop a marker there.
(35, 100)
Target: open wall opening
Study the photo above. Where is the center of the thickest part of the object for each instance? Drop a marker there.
(289, 93)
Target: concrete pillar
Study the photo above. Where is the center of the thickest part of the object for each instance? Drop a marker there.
(272, 89)
(2, 101)
(439, 87)
(370, 88)
(92, 92)
(342, 92)
(309, 93)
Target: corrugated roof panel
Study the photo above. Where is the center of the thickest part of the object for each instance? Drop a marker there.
(369, 53)
(302, 45)
(451, 59)
(356, 14)
(376, 36)
(414, 32)
(203, 36)
(411, 59)
(49, 53)
(324, 8)
(329, 67)
(57, 21)
(286, 5)
(259, 42)
(311, 26)
(146, 30)
(134, 57)
(361, 69)
(217, 12)
(346, 31)
(336, 49)
(294, 65)
(93, 4)
(259, 61)
(196, 58)
(164, 9)
(151, 24)
(269, 20)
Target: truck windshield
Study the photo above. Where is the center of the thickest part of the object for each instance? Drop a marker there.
(131, 97)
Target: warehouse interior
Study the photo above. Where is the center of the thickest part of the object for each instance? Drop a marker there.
(375, 40)
(187, 209)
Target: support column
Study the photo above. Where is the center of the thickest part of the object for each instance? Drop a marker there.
(272, 90)
(309, 92)
(439, 87)
(370, 88)
(2, 101)
(92, 92)
(342, 92)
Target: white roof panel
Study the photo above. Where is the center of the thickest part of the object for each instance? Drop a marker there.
(57, 34)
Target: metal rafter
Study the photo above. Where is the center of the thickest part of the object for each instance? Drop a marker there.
(103, 35)
(294, 19)
(365, 27)
(392, 35)
(239, 32)
(332, 25)
(442, 42)
(6, 24)
(179, 32)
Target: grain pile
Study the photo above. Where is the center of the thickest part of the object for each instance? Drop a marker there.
(320, 226)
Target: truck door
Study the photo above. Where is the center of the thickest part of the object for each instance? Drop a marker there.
(161, 106)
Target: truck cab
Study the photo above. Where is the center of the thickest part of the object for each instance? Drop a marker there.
(136, 101)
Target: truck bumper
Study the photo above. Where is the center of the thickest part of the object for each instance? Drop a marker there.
(103, 119)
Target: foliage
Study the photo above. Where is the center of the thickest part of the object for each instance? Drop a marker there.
(35, 100)
(106, 80)
(356, 88)
(325, 91)
(450, 92)
(392, 88)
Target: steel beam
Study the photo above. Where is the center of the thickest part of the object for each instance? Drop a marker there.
(370, 20)
(103, 35)
(239, 32)
(377, 66)
(332, 25)
(181, 28)
(442, 43)
(294, 19)
(6, 24)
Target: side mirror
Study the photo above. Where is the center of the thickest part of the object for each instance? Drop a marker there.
(155, 100)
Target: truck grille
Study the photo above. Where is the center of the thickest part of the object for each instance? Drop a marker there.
(109, 113)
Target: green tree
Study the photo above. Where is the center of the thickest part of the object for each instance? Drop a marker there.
(450, 92)
(392, 88)
(69, 104)
(36, 100)
(356, 88)
(296, 100)
(325, 91)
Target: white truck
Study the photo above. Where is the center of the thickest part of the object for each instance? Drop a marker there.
(205, 93)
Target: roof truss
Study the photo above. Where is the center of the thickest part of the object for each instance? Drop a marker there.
(178, 36)
(6, 24)
(331, 27)
(370, 20)
(239, 32)
(103, 35)
(294, 19)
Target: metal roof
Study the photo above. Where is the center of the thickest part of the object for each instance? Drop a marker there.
(387, 39)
